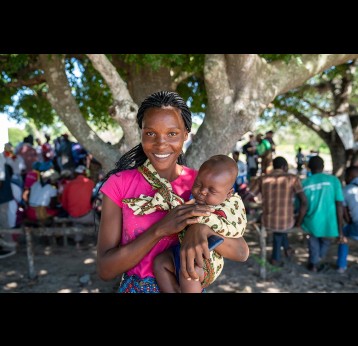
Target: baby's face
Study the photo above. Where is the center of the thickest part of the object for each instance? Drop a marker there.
(211, 188)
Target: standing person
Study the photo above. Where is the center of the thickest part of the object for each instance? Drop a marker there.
(242, 171)
(300, 160)
(269, 137)
(212, 186)
(47, 150)
(264, 151)
(324, 217)
(278, 190)
(65, 153)
(350, 215)
(28, 153)
(128, 243)
(249, 149)
(16, 162)
(38, 149)
(5, 198)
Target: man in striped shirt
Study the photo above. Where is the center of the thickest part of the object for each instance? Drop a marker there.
(278, 190)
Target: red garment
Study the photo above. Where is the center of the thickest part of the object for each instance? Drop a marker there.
(76, 197)
(47, 152)
(31, 178)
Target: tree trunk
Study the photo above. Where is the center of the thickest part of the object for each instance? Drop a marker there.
(339, 159)
(143, 81)
(63, 102)
(239, 88)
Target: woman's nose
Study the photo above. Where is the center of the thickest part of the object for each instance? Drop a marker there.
(160, 140)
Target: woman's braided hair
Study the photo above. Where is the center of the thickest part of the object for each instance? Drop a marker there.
(136, 156)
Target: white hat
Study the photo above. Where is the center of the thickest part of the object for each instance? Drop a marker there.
(50, 174)
(80, 169)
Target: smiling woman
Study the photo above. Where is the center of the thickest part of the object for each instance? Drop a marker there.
(128, 242)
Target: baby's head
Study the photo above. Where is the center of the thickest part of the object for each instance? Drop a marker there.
(215, 180)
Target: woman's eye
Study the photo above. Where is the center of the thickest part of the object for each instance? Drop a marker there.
(150, 134)
(172, 134)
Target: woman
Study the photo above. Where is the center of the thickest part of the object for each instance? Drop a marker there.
(128, 243)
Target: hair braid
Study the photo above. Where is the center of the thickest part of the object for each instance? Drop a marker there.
(136, 156)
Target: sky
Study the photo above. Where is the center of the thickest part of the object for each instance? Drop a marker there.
(5, 123)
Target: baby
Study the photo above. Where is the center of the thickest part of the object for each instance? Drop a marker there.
(213, 186)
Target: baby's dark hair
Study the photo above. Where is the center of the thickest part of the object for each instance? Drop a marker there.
(221, 163)
(136, 156)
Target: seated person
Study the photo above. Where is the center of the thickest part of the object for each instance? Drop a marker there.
(76, 201)
(43, 197)
(213, 186)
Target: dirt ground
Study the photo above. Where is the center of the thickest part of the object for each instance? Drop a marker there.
(66, 270)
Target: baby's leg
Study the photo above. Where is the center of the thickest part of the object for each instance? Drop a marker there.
(191, 286)
(164, 272)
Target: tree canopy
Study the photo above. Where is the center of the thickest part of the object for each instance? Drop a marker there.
(102, 90)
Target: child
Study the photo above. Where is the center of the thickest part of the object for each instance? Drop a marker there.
(213, 186)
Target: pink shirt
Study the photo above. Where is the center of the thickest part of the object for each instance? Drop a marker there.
(131, 184)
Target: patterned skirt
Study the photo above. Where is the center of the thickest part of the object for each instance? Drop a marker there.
(134, 284)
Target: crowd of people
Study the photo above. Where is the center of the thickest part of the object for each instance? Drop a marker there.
(157, 214)
(316, 203)
(38, 183)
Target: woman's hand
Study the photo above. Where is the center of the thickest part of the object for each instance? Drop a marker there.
(193, 248)
(342, 239)
(182, 216)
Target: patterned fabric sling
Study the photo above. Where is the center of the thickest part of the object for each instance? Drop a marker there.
(164, 198)
(229, 218)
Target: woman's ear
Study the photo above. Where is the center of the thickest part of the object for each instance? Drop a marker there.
(186, 135)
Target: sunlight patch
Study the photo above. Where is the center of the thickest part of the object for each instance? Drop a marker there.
(273, 290)
(11, 273)
(48, 251)
(247, 289)
(43, 272)
(11, 285)
(64, 290)
(88, 261)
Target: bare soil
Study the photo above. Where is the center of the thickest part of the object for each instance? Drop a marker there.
(66, 270)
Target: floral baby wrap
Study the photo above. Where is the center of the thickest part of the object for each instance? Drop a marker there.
(228, 220)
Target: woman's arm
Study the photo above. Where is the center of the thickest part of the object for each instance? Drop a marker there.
(114, 259)
(195, 245)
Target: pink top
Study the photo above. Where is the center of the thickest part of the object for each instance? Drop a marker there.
(131, 184)
(31, 178)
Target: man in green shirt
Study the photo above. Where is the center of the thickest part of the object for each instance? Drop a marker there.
(264, 151)
(324, 217)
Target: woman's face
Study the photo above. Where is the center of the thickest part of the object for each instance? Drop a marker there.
(163, 135)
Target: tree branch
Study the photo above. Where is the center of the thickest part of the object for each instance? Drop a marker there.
(180, 78)
(288, 76)
(28, 83)
(124, 110)
(307, 122)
